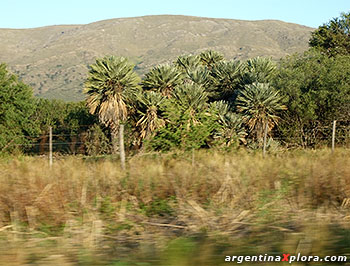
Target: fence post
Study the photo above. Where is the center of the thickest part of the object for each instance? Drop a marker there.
(333, 135)
(121, 146)
(192, 157)
(50, 146)
(265, 136)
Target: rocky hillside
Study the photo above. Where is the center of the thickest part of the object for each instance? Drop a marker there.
(54, 60)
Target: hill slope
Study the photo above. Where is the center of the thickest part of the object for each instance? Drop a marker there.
(54, 59)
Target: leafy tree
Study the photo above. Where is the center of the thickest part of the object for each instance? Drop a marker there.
(163, 79)
(70, 122)
(317, 89)
(110, 86)
(333, 38)
(96, 141)
(260, 105)
(16, 108)
(78, 117)
(51, 113)
(60, 114)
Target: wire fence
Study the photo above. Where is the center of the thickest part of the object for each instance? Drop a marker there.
(337, 134)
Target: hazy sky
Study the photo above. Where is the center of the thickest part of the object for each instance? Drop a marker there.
(36, 13)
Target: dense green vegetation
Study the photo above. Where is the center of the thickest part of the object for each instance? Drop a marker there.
(198, 101)
(333, 38)
(16, 109)
(317, 89)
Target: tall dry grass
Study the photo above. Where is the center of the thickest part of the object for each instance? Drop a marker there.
(163, 195)
(214, 182)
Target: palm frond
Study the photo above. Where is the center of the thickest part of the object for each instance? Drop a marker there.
(187, 63)
(259, 69)
(226, 78)
(163, 79)
(209, 58)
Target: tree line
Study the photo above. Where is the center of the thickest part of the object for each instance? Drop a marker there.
(197, 101)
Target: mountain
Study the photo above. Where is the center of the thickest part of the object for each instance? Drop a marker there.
(54, 60)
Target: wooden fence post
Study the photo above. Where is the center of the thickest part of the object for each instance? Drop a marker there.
(333, 135)
(192, 157)
(265, 137)
(121, 146)
(50, 146)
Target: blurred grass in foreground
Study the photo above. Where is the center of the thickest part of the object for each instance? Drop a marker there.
(172, 210)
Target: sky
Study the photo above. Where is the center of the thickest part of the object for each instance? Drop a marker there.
(38, 13)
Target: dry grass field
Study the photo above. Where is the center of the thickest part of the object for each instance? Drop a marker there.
(173, 210)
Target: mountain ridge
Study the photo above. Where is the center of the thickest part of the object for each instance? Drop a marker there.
(54, 59)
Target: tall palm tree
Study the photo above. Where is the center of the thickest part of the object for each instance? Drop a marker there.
(162, 79)
(260, 104)
(110, 85)
(150, 118)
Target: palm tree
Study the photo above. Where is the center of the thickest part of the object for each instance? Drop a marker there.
(190, 99)
(221, 109)
(231, 130)
(187, 63)
(110, 86)
(259, 69)
(226, 77)
(162, 79)
(200, 76)
(149, 110)
(260, 104)
(209, 58)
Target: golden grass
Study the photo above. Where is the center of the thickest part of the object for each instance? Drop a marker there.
(163, 196)
(239, 182)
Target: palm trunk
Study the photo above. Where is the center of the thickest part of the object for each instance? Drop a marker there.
(260, 133)
(121, 146)
(114, 135)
